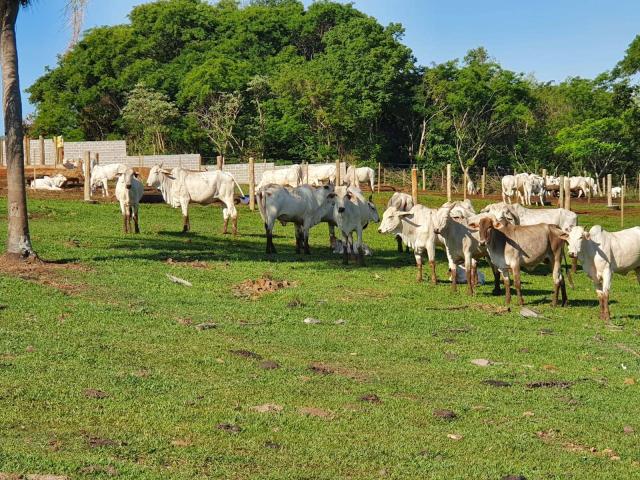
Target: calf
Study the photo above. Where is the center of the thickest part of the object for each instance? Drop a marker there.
(304, 206)
(602, 253)
(49, 183)
(471, 187)
(101, 174)
(129, 191)
(511, 247)
(415, 227)
(352, 213)
(356, 176)
(462, 246)
(403, 202)
(616, 192)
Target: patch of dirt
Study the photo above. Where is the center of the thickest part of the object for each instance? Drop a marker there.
(550, 384)
(444, 414)
(268, 408)
(246, 354)
(315, 412)
(321, 368)
(296, 303)
(93, 393)
(370, 398)
(97, 442)
(268, 365)
(187, 263)
(229, 427)
(185, 321)
(272, 445)
(181, 442)
(254, 289)
(551, 437)
(496, 383)
(43, 273)
(324, 369)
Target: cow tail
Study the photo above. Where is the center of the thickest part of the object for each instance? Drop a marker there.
(238, 185)
(261, 201)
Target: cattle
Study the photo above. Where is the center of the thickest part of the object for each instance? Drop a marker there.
(511, 247)
(616, 192)
(402, 202)
(352, 213)
(517, 214)
(416, 230)
(462, 277)
(509, 187)
(321, 174)
(101, 174)
(537, 188)
(356, 176)
(129, 191)
(49, 183)
(330, 218)
(290, 176)
(471, 187)
(340, 247)
(462, 246)
(580, 185)
(603, 253)
(304, 206)
(460, 209)
(179, 188)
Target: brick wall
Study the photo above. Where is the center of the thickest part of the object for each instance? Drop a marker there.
(240, 171)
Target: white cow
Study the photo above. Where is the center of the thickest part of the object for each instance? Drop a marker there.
(471, 187)
(509, 187)
(415, 227)
(129, 192)
(460, 209)
(290, 176)
(49, 183)
(402, 202)
(101, 174)
(580, 185)
(179, 188)
(304, 206)
(603, 253)
(537, 188)
(616, 192)
(356, 176)
(518, 215)
(352, 213)
(321, 174)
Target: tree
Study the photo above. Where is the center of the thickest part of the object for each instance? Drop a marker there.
(148, 114)
(217, 118)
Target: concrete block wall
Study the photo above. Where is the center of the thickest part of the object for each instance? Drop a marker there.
(189, 161)
(240, 171)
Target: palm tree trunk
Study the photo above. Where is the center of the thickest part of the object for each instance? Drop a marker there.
(18, 240)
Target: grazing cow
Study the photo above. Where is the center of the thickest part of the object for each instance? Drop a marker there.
(180, 187)
(402, 202)
(321, 174)
(415, 227)
(518, 215)
(352, 213)
(603, 253)
(580, 185)
(101, 174)
(511, 247)
(290, 176)
(49, 183)
(356, 176)
(304, 206)
(462, 246)
(129, 191)
(616, 192)
(471, 188)
(509, 187)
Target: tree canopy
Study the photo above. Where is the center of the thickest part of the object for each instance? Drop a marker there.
(328, 81)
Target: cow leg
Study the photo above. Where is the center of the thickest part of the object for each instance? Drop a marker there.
(299, 239)
(345, 250)
(496, 282)
(468, 265)
(234, 226)
(454, 278)
(563, 290)
(135, 219)
(606, 288)
(601, 303)
(419, 265)
(399, 240)
(185, 223)
(225, 226)
(269, 233)
(507, 286)
(332, 236)
(434, 278)
(360, 248)
(518, 284)
(124, 221)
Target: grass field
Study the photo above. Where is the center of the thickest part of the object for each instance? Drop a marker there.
(104, 374)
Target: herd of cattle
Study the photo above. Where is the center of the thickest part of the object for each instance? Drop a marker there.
(507, 235)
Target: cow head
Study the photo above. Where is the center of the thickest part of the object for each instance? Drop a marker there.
(575, 239)
(391, 219)
(373, 211)
(486, 225)
(125, 176)
(440, 218)
(157, 175)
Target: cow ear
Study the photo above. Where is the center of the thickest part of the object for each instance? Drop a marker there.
(403, 214)
(474, 226)
(586, 235)
(326, 187)
(497, 225)
(136, 174)
(331, 195)
(349, 195)
(564, 236)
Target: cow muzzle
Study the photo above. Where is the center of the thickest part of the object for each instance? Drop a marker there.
(129, 187)
(573, 255)
(341, 210)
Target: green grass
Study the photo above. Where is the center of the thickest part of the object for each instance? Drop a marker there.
(402, 341)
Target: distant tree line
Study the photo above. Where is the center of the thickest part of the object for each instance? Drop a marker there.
(275, 80)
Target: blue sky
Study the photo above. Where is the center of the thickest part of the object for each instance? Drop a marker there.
(552, 39)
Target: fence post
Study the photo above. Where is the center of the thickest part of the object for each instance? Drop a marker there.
(448, 182)
(252, 185)
(379, 173)
(414, 185)
(306, 173)
(624, 190)
(638, 183)
(27, 143)
(561, 192)
(97, 158)
(567, 193)
(464, 185)
(42, 159)
(338, 172)
(404, 177)
(219, 162)
(424, 180)
(87, 176)
(1, 152)
(609, 186)
(384, 174)
(484, 180)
